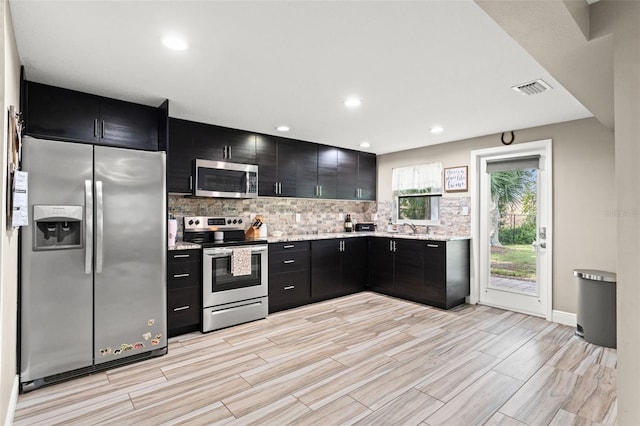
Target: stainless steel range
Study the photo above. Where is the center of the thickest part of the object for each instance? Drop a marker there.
(234, 271)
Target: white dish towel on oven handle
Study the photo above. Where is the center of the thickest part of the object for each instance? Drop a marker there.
(241, 261)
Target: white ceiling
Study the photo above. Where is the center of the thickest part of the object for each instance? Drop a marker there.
(256, 64)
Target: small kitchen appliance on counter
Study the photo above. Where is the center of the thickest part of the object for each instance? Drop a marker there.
(230, 295)
(365, 226)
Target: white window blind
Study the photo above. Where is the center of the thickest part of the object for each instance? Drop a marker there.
(423, 178)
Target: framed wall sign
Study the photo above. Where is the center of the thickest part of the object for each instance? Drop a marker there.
(456, 179)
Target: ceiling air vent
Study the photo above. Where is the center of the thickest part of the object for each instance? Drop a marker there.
(532, 88)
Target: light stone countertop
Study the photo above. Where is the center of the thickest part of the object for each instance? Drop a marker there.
(183, 245)
(327, 236)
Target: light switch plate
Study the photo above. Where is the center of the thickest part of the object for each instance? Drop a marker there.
(465, 211)
(297, 217)
(340, 216)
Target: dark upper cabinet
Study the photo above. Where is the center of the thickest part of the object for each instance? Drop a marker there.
(356, 175)
(317, 171)
(307, 170)
(56, 113)
(180, 156)
(224, 144)
(327, 172)
(347, 174)
(189, 140)
(367, 176)
(277, 166)
(128, 125)
(338, 267)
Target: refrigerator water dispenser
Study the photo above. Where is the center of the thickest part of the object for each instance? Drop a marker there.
(57, 227)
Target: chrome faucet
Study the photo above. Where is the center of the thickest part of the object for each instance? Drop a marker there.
(413, 227)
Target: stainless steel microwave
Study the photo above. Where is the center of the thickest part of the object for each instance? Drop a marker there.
(225, 180)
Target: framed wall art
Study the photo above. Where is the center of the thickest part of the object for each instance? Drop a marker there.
(456, 179)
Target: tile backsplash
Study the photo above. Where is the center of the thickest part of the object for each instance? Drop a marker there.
(315, 216)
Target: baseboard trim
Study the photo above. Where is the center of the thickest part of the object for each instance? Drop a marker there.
(565, 318)
(13, 402)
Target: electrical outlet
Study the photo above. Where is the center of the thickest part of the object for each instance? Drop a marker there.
(297, 217)
(340, 216)
(374, 217)
(465, 211)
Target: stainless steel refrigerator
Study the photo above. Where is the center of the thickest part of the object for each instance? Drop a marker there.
(93, 259)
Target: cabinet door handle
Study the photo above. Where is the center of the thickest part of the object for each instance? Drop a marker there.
(394, 246)
(95, 128)
(102, 129)
(433, 245)
(286, 262)
(181, 308)
(390, 245)
(230, 152)
(290, 287)
(288, 246)
(190, 183)
(181, 275)
(177, 256)
(320, 188)
(280, 188)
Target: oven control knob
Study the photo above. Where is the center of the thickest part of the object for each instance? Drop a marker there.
(191, 222)
(197, 222)
(240, 221)
(235, 221)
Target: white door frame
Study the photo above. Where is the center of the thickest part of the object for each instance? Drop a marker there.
(546, 162)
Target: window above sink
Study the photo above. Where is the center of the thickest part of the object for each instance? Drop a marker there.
(417, 191)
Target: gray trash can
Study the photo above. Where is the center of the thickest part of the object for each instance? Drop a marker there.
(596, 306)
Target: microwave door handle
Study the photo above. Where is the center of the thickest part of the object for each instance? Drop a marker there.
(88, 226)
(247, 177)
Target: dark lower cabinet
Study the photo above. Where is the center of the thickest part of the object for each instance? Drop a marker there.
(184, 291)
(56, 113)
(289, 284)
(397, 267)
(338, 267)
(381, 265)
(432, 272)
(446, 273)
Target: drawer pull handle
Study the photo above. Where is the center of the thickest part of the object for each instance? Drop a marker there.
(181, 275)
(433, 245)
(286, 262)
(288, 246)
(290, 287)
(177, 256)
(181, 308)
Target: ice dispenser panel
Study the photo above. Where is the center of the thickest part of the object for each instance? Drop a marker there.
(57, 227)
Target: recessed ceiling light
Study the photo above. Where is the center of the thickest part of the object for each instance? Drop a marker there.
(175, 42)
(352, 102)
(365, 144)
(283, 128)
(436, 129)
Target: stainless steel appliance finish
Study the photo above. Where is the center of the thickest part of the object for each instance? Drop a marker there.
(225, 180)
(204, 229)
(227, 299)
(93, 284)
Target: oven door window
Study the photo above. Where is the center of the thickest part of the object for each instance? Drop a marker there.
(222, 279)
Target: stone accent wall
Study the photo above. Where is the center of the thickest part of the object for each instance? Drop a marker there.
(452, 220)
(316, 216)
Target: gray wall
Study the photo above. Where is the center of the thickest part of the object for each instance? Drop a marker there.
(9, 93)
(584, 219)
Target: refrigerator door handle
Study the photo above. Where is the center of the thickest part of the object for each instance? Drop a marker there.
(88, 226)
(99, 227)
